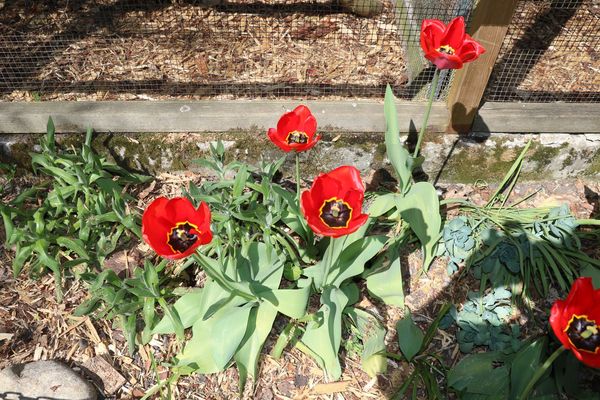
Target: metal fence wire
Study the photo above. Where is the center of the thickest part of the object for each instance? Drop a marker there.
(551, 53)
(161, 49)
(125, 49)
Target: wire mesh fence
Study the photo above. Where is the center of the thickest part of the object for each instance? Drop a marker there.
(551, 53)
(119, 49)
(159, 49)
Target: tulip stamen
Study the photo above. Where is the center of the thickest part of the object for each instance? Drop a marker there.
(335, 213)
(297, 137)
(180, 237)
(583, 333)
(447, 49)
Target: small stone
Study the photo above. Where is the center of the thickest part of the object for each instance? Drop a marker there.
(44, 379)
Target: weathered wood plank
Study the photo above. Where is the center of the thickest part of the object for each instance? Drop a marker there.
(206, 116)
(490, 23)
(538, 118)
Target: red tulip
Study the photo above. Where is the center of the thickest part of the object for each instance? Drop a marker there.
(448, 47)
(575, 321)
(296, 130)
(174, 228)
(333, 205)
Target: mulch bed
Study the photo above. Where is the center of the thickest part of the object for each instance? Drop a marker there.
(39, 328)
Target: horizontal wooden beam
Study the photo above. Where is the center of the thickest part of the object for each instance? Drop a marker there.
(538, 118)
(207, 116)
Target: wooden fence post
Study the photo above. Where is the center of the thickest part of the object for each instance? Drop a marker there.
(489, 25)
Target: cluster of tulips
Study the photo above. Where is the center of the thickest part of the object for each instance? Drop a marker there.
(332, 207)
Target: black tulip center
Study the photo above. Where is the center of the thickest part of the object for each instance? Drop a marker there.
(336, 213)
(446, 49)
(181, 238)
(584, 334)
(297, 137)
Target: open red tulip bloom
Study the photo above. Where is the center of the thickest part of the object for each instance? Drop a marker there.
(296, 130)
(448, 47)
(576, 321)
(333, 205)
(174, 228)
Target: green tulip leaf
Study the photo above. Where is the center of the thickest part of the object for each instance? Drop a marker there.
(484, 374)
(524, 366)
(322, 338)
(353, 258)
(215, 340)
(247, 356)
(410, 336)
(187, 307)
(421, 209)
(396, 152)
(386, 285)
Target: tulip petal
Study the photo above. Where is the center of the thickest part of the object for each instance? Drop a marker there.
(432, 32)
(276, 138)
(454, 34)
(288, 122)
(162, 215)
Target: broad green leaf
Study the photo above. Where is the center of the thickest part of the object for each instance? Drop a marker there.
(382, 204)
(421, 209)
(290, 302)
(373, 359)
(386, 285)
(352, 260)
(215, 340)
(188, 309)
(482, 374)
(524, 366)
(410, 336)
(173, 316)
(396, 153)
(323, 337)
(247, 356)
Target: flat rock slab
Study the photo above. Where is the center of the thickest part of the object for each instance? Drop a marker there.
(44, 380)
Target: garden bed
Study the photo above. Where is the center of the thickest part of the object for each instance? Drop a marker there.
(41, 328)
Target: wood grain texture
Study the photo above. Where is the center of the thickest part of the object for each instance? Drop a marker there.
(489, 25)
(538, 118)
(208, 116)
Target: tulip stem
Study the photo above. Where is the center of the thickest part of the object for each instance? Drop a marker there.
(298, 177)
(541, 370)
(434, 83)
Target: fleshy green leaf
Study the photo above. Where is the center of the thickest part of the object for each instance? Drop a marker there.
(524, 366)
(382, 204)
(482, 374)
(410, 336)
(323, 337)
(188, 309)
(386, 285)
(396, 153)
(290, 302)
(421, 209)
(215, 340)
(260, 323)
(352, 260)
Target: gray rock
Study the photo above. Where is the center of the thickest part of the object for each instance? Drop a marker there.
(44, 380)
